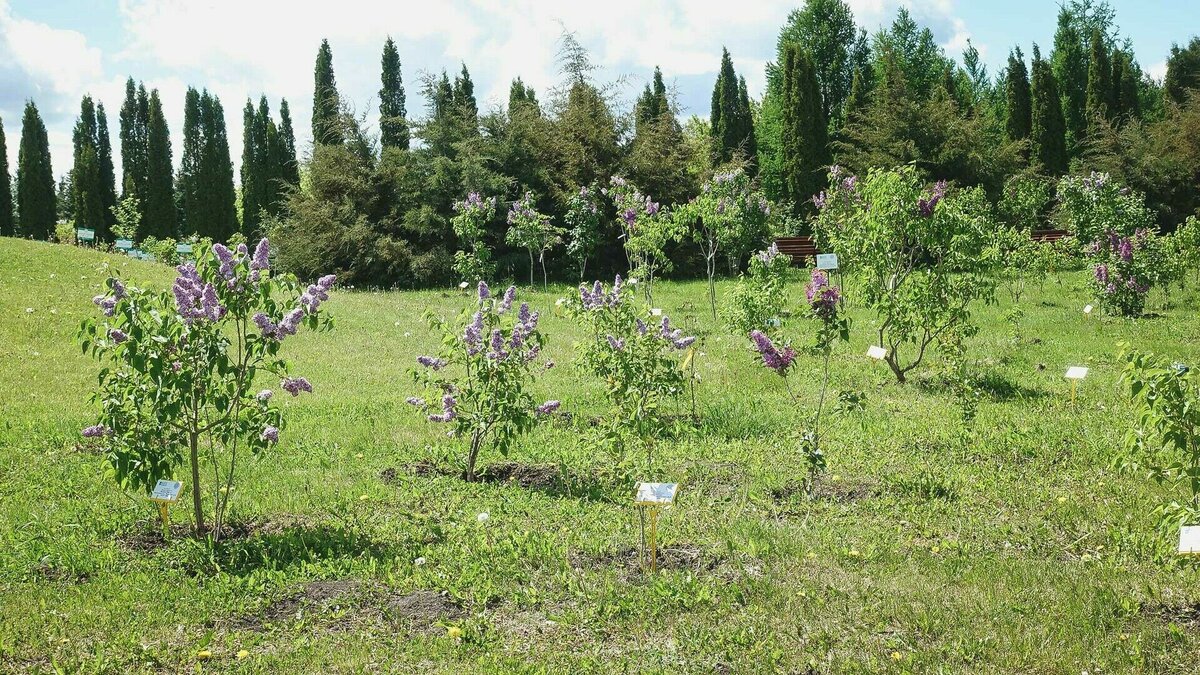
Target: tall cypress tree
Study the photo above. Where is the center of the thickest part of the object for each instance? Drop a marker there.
(1183, 71)
(652, 103)
(1100, 103)
(1125, 81)
(725, 122)
(192, 159)
(1048, 126)
(8, 223)
(36, 208)
(287, 142)
(135, 113)
(326, 117)
(393, 122)
(859, 98)
(1069, 59)
(252, 169)
(87, 200)
(218, 171)
(159, 216)
(465, 103)
(1017, 97)
(746, 125)
(805, 133)
(108, 185)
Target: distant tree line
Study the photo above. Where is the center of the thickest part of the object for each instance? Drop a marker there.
(377, 196)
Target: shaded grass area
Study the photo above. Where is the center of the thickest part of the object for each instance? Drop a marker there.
(1011, 548)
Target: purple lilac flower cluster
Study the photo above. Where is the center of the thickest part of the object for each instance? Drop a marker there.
(926, 205)
(449, 412)
(473, 335)
(295, 385)
(674, 335)
(596, 298)
(96, 431)
(773, 358)
(523, 209)
(431, 362)
(195, 299)
(767, 257)
(822, 296)
(108, 303)
(270, 434)
(474, 203)
(549, 407)
(1095, 181)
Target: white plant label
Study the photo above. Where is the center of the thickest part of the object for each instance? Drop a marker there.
(166, 491)
(124, 244)
(656, 311)
(1076, 373)
(1088, 309)
(876, 352)
(85, 234)
(183, 248)
(655, 494)
(827, 261)
(1189, 540)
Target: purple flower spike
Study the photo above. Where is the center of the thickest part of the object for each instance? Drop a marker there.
(118, 336)
(270, 434)
(510, 294)
(96, 431)
(295, 385)
(772, 358)
(484, 291)
(448, 410)
(473, 336)
(264, 395)
(548, 407)
(616, 343)
(262, 255)
(431, 362)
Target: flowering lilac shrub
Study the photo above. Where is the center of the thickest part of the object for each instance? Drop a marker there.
(478, 382)
(823, 305)
(583, 217)
(729, 216)
(923, 255)
(1125, 268)
(533, 231)
(634, 353)
(757, 301)
(1089, 207)
(180, 368)
(646, 229)
(470, 220)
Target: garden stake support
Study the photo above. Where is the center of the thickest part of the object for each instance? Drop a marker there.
(166, 493)
(651, 498)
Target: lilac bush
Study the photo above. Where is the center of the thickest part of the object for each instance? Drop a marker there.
(180, 368)
(478, 382)
(756, 302)
(471, 216)
(646, 229)
(533, 231)
(583, 217)
(1124, 270)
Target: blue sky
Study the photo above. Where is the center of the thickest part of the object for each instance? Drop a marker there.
(55, 51)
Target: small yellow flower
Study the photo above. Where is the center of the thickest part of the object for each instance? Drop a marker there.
(358, 456)
(204, 655)
(1062, 500)
(454, 632)
(835, 478)
(935, 550)
(362, 498)
(243, 654)
(896, 656)
(854, 553)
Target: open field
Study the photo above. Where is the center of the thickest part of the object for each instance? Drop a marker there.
(1012, 548)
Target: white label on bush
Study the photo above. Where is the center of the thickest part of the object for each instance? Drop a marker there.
(1189, 540)
(166, 491)
(1076, 373)
(655, 494)
(877, 352)
(1087, 309)
(827, 261)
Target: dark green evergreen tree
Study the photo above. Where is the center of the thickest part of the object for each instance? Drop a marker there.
(188, 184)
(326, 117)
(8, 223)
(393, 121)
(159, 215)
(914, 51)
(1049, 133)
(724, 118)
(805, 143)
(652, 103)
(135, 112)
(287, 142)
(108, 184)
(36, 202)
(253, 180)
(859, 98)
(827, 30)
(464, 101)
(1100, 100)
(64, 198)
(1069, 59)
(86, 191)
(746, 122)
(1126, 81)
(1183, 71)
(521, 96)
(206, 173)
(1017, 97)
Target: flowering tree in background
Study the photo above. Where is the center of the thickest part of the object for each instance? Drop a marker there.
(180, 368)
(471, 217)
(532, 231)
(646, 229)
(583, 218)
(1090, 207)
(924, 255)
(633, 352)
(756, 303)
(478, 381)
(823, 304)
(1125, 270)
(728, 216)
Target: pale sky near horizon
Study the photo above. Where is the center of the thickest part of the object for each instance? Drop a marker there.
(55, 51)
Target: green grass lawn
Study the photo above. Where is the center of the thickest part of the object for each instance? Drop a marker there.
(1012, 548)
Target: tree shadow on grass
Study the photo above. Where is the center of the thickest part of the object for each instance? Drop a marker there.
(550, 479)
(996, 386)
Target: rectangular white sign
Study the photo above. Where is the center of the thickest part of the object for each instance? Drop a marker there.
(183, 248)
(876, 352)
(166, 490)
(827, 261)
(124, 244)
(84, 234)
(656, 494)
(1087, 309)
(1076, 373)
(1189, 540)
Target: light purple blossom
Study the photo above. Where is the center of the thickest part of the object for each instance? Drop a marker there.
(819, 199)
(210, 305)
(270, 434)
(616, 343)
(497, 352)
(431, 362)
(291, 322)
(448, 410)
(523, 314)
(225, 256)
(118, 289)
(548, 407)
(510, 294)
(108, 306)
(96, 431)
(484, 291)
(772, 358)
(414, 401)
(473, 335)
(295, 385)
(262, 256)
(684, 343)
(264, 395)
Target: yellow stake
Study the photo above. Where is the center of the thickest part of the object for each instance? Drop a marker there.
(1073, 383)
(653, 540)
(165, 513)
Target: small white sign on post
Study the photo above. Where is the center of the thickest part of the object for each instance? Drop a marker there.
(124, 244)
(827, 261)
(166, 491)
(183, 249)
(1189, 540)
(876, 352)
(85, 234)
(655, 494)
(652, 498)
(1087, 309)
(656, 311)
(1076, 373)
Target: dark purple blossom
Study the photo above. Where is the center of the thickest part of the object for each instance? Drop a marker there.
(96, 431)
(431, 362)
(117, 335)
(772, 358)
(295, 385)
(484, 291)
(448, 410)
(616, 343)
(497, 352)
(548, 407)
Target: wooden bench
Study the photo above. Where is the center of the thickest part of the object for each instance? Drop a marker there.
(1048, 236)
(800, 249)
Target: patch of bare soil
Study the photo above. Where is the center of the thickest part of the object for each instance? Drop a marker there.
(149, 537)
(533, 476)
(682, 556)
(1187, 614)
(314, 596)
(824, 488)
(49, 572)
(423, 608)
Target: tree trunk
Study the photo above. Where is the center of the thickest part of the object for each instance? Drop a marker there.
(531, 268)
(476, 441)
(197, 503)
(545, 279)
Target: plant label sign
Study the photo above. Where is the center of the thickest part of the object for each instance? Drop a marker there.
(84, 234)
(876, 352)
(1076, 373)
(827, 261)
(1087, 309)
(183, 249)
(655, 494)
(124, 244)
(166, 491)
(1189, 540)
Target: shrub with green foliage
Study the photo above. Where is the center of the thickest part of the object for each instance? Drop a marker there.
(471, 217)
(1126, 268)
(757, 301)
(647, 229)
(923, 255)
(1089, 207)
(583, 217)
(532, 230)
(180, 369)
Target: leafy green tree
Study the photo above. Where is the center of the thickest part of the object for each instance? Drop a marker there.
(1048, 133)
(327, 110)
(1017, 95)
(1183, 71)
(159, 215)
(804, 140)
(915, 52)
(1069, 60)
(657, 159)
(393, 122)
(36, 208)
(8, 223)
